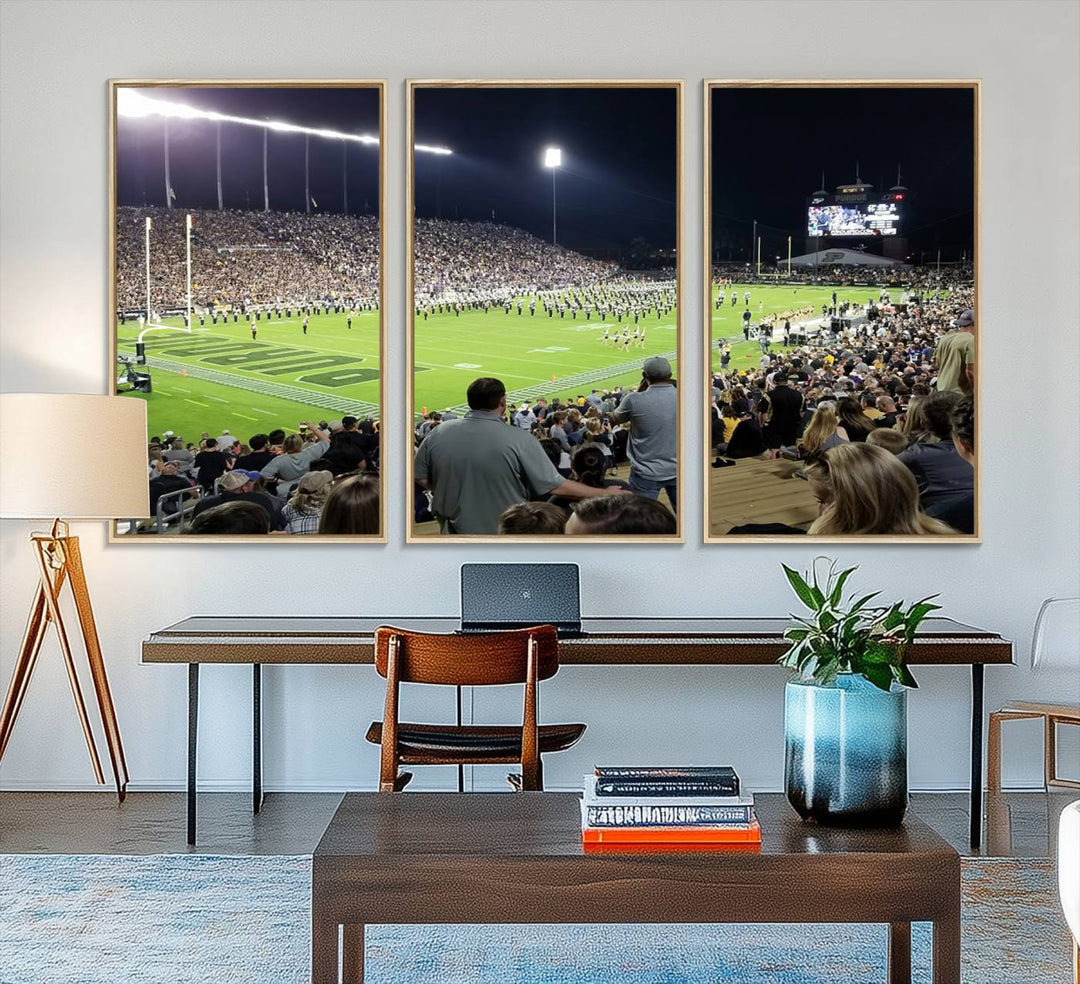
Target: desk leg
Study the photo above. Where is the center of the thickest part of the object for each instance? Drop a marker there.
(352, 954)
(324, 949)
(192, 747)
(976, 753)
(947, 950)
(899, 953)
(256, 738)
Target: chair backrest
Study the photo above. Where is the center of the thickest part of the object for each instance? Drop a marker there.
(468, 660)
(1055, 643)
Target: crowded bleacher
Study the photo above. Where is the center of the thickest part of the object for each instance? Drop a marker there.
(323, 479)
(899, 380)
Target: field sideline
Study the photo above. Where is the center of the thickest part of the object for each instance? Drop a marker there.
(220, 378)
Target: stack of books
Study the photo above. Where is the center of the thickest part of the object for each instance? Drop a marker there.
(678, 806)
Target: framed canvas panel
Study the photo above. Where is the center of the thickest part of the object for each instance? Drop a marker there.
(842, 328)
(247, 256)
(544, 316)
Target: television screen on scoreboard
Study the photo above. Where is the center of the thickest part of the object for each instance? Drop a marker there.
(856, 219)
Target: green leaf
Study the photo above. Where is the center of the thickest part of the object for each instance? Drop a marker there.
(880, 676)
(800, 587)
(837, 592)
(903, 676)
(862, 601)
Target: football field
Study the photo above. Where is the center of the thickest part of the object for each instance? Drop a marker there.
(219, 377)
(533, 354)
(768, 299)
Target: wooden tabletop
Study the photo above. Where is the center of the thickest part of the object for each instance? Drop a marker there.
(618, 640)
(493, 857)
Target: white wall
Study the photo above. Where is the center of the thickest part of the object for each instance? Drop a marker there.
(56, 58)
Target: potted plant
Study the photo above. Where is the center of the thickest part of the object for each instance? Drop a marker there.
(845, 714)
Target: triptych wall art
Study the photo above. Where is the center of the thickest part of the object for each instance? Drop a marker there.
(544, 331)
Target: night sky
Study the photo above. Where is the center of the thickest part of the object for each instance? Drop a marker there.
(140, 150)
(617, 181)
(769, 147)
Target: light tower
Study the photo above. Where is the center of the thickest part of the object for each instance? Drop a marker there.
(553, 160)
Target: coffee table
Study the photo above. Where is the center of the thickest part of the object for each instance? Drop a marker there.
(429, 858)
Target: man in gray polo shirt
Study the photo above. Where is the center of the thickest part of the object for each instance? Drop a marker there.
(653, 415)
(477, 466)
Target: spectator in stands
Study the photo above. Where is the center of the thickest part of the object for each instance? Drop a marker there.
(533, 518)
(823, 431)
(938, 469)
(954, 357)
(211, 464)
(588, 465)
(352, 507)
(864, 489)
(258, 457)
(888, 412)
(629, 514)
(301, 513)
(169, 480)
(239, 486)
(781, 410)
(889, 438)
(350, 446)
(185, 460)
(746, 441)
(296, 457)
(525, 417)
(855, 423)
(232, 518)
(652, 413)
(478, 466)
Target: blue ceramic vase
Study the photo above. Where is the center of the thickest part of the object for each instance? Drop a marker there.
(846, 752)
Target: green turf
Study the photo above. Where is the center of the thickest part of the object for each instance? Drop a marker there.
(330, 361)
(526, 351)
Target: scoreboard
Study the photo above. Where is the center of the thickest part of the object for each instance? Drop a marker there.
(845, 216)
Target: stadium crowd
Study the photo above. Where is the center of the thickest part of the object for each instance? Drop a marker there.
(323, 479)
(545, 466)
(244, 260)
(881, 414)
(924, 278)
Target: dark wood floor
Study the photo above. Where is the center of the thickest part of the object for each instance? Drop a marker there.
(1020, 824)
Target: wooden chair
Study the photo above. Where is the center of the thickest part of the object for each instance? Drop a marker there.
(485, 659)
(1055, 645)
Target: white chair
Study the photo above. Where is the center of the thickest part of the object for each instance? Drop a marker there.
(1069, 875)
(1055, 645)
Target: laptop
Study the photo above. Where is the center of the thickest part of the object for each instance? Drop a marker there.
(496, 597)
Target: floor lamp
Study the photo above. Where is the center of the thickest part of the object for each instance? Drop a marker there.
(107, 434)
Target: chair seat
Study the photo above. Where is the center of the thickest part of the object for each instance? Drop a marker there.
(473, 743)
(1048, 710)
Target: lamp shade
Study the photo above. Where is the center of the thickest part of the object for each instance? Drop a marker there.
(72, 456)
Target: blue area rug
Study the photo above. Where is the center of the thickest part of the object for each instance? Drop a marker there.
(246, 920)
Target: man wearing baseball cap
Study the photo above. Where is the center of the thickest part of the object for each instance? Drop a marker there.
(652, 412)
(239, 485)
(954, 357)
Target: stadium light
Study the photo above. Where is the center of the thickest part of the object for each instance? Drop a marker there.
(134, 104)
(553, 159)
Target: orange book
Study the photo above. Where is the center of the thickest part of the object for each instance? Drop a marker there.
(749, 834)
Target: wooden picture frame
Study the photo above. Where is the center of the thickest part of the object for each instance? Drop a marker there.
(343, 306)
(417, 87)
(714, 519)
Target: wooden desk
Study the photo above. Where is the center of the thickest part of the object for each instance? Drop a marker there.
(518, 858)
(604, 641)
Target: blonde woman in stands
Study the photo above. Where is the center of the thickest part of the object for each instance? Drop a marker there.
(861, 489)
(296, 456)
(823, 432)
